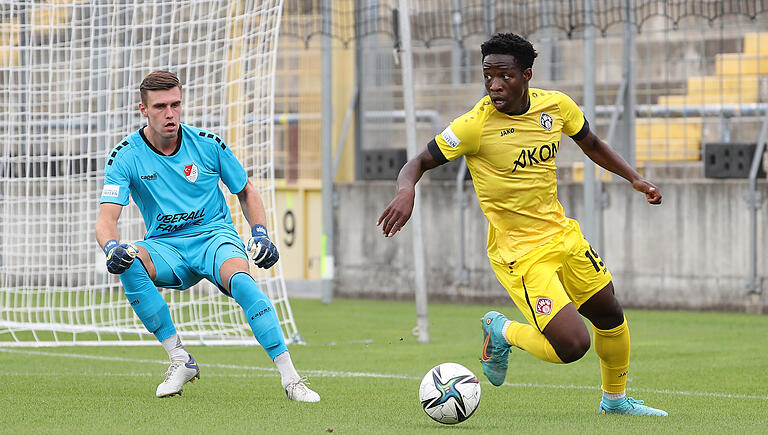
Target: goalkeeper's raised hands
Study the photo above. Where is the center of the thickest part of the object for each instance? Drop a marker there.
(119, 256)
(262, 251)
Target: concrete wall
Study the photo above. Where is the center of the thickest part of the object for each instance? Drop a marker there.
(692, 252)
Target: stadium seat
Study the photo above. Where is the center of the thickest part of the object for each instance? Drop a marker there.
(756, 44)
(51, 16)
(668, 139)
(577, 169)
(9, 39)
(741, 64)
(737, 81)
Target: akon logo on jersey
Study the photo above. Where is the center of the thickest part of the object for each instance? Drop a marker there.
(536, 155)
(185, 219)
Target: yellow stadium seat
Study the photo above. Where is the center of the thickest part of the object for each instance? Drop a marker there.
(711, 85)
(53, 15)
(578, 172)
(9, 40)
(9, 34)
(729, 64)
(663, 128)
(708, 99)
(756, 43)
(660, 139)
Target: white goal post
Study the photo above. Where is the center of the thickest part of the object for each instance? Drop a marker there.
(69, 72)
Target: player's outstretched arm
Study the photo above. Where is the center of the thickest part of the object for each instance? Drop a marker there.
(261, 249)
(600, 153)
(399, 210)
(119, 255)
(106, 223)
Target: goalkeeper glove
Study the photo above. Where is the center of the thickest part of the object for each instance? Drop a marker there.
(263, 252)
(119, 256)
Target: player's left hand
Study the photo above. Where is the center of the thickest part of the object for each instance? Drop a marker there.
(263, 252)
(119, 256)
(397, 212)
(652, 193)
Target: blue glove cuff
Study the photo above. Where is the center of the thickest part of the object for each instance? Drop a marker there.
(109, 245)
(259, 230)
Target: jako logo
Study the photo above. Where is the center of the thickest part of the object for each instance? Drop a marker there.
(134, 302)
(265, 310)
(149, 177)
(507, 131)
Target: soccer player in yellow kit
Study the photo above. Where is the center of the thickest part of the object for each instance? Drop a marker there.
(510, 140)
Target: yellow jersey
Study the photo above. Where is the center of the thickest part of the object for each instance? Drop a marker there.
(512, 163)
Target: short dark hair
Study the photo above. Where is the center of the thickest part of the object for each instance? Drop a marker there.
(514, 45)
(158, 81)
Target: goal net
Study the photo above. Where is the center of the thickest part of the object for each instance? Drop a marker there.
(70, 71)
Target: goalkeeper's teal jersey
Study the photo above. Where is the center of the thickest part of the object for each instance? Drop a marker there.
(178, 195)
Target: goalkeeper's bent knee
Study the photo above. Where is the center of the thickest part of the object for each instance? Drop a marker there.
(147, 302)
(259, 312)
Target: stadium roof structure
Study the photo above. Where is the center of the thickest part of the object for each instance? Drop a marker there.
(431, 20)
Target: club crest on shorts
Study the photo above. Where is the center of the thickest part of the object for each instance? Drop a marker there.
(190, 172)
(544, 306)
(546, 120)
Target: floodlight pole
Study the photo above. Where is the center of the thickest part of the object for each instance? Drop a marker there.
(406, 67)
(627, 146)
(754, 283)
(588, 222)
(327, 260)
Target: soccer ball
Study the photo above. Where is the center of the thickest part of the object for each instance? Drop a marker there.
(449, 393)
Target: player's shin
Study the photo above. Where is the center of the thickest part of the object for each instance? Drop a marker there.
(612, 346)
(259, 312)
(147, 302)
(266, 328)
(526, 337)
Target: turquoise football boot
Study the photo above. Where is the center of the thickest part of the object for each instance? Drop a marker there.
(628, 406)
(495, 357)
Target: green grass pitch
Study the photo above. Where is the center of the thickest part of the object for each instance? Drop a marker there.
(708, 370)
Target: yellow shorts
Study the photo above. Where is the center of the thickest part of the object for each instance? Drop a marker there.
(544, 280)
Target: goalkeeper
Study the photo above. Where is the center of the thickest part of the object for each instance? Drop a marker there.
(510, 140)
(172, 171)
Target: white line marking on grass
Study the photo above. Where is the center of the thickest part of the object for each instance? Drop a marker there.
(643, 390)
(80, 373)
(369, 341)
(132, 360)
(700, 394)
(343, 374)
(327, 373)
(125, 374)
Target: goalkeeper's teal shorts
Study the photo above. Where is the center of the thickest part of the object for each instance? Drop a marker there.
(181, 262)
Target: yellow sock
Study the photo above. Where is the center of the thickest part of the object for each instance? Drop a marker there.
(612, 346)
(529, 339)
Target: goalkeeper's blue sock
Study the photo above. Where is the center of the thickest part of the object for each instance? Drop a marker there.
(146, 301)
(259, 312)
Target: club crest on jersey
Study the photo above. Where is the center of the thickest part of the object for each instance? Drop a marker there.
(546, 121)
(544, 306)
(190, 172)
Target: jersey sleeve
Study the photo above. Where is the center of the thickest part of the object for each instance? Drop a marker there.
(117, 181)
(574, 123)
(232, 172)
(461, 136)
